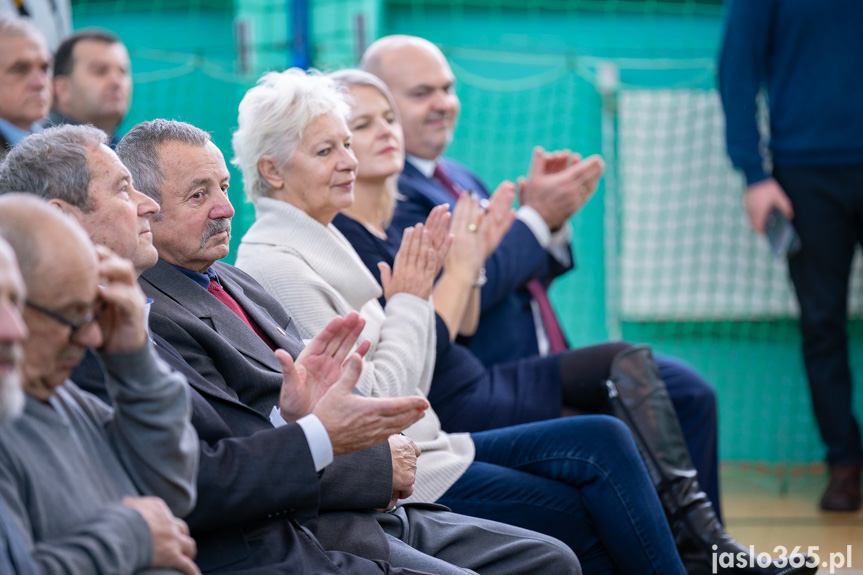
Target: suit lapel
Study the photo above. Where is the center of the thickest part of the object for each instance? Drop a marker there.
(286, 337)
(196, 300)
(412, 179)
(461, 177)
(170, 355)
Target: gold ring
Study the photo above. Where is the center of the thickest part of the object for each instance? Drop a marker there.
(472, 228)
(582, 190)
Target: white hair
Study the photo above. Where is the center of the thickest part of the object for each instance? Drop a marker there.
(273, 116)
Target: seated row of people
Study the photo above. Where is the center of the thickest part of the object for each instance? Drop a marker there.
(270, 422)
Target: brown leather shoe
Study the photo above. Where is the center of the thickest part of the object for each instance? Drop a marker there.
(843, 491)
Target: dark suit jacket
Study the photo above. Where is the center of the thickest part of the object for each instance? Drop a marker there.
(506, 330)
(248, 490)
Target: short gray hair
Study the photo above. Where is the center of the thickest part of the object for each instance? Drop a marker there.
(139, 150)
(53, 164)
(273, 116)
(355, 77)
(12, 26)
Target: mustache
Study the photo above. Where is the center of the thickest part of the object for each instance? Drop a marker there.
(213, 227)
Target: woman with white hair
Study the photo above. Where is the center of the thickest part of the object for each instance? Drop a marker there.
(578, 479)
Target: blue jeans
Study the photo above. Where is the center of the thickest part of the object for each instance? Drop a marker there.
(579, 479)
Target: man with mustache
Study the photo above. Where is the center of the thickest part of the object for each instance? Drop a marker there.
(92, 82)
(25, 94)
(14, 556)
(93, 489)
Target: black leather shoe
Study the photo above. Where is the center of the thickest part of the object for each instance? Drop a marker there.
(843, 491)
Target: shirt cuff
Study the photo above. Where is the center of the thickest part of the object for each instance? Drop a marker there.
(319, 440)
(556, 243)
(316, 435)
(558, 247)
(534, 222)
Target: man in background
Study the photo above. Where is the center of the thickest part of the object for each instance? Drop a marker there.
(92, 82)
(25, 93)
(808, 56)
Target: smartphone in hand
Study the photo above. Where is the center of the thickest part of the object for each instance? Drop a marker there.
(784, 241)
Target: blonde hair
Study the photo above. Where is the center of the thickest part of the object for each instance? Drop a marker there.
(356, 77)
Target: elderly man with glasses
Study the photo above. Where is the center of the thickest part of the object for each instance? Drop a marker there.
(93, 489)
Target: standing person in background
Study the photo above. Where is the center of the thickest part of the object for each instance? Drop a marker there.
(25, 94)
(92, 82)
(808, 56)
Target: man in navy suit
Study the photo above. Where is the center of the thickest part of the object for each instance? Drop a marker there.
(516, 319)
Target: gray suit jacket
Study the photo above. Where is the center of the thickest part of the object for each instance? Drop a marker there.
(227, 353)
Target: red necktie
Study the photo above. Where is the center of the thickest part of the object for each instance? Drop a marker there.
(556, 339)
(446, 182)
(220, 294)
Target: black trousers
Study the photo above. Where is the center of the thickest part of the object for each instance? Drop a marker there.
(828, 216)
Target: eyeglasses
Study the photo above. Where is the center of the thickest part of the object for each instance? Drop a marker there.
(77, 326)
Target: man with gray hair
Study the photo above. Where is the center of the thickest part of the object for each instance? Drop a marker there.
(25, 91)
(228, 336)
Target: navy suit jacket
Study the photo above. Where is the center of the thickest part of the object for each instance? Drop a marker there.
(506, 329)
(255, 480)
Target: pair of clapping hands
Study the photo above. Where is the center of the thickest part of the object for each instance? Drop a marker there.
(559, 184)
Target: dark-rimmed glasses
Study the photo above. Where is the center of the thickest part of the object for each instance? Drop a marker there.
(77, 326)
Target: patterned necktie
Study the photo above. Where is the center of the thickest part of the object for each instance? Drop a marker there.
(220, 294)
(556, 340)
(446, 182)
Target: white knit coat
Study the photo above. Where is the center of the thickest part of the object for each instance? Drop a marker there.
(314, 272)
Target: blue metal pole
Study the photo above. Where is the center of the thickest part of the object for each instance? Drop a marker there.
(301, 24)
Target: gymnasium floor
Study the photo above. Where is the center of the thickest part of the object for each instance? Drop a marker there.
(772, 506)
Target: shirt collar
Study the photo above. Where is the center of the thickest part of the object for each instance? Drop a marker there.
(425, 167)
(14, 134)
(202, 280)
